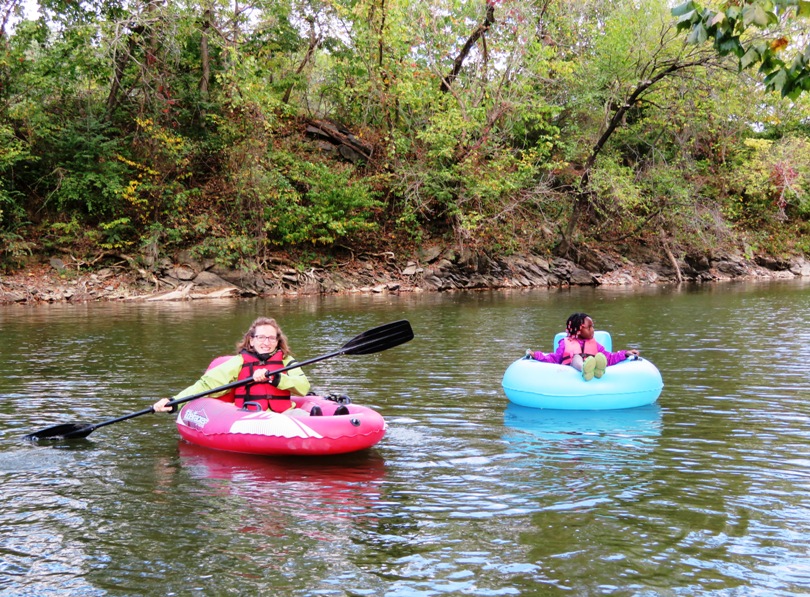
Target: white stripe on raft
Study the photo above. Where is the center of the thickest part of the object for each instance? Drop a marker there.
(273, 425)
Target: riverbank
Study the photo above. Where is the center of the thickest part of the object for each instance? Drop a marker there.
(433, 268)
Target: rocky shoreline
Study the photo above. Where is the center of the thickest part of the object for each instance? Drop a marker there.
(432, 269)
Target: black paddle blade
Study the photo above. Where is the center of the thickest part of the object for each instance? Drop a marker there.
(380, 338)
(58, 432)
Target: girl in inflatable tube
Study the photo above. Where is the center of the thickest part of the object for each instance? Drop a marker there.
(581, 351)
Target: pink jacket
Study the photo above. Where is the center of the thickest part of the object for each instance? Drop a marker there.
(557, 356)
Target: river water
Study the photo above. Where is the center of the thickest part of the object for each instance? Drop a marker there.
(706, 492)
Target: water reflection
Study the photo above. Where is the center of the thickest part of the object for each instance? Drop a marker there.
(300, 517)
(587, 466)
(531, 428)
(342, 486)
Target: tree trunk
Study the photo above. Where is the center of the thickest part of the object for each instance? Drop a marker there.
(583, 198)
(458, 63)
(314, 41)
(205, 58)
(121, 58)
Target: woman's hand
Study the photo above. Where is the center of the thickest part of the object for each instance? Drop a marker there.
(263, 375)
(632, 352)
(160, 406)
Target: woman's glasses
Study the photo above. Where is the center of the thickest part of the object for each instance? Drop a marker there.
(265, 338)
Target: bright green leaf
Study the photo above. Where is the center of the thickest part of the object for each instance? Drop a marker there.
(698, 34)
(749, 58)
(719, 18)
(776, 80)
(683, 8)
(762, 47)
(733, 13)
(754, 14)
(798, 64)
(686, 20)
(727, 45)
(770, 62)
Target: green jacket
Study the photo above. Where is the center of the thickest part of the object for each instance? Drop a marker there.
(293, 380)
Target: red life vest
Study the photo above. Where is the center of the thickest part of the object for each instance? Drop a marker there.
(573, 348)
(265, 394)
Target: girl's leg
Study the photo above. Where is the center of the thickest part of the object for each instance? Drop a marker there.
(576, 362)
(588, 368)
(601, 365)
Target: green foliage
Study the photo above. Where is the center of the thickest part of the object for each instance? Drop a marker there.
(727, 29)
(86, 175)
(774, 179)
(63, 235)
(616, 185)
(227, 252)
(13, 249)
(118, 234)
(321, 204)
(12, 152)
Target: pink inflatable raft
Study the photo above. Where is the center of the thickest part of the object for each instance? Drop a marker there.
(219, 424)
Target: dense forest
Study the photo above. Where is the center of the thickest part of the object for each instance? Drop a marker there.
(238, 130)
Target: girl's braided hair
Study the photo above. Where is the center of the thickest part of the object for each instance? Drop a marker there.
(575, 322)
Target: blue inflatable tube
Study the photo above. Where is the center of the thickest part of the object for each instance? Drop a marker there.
(629, 384)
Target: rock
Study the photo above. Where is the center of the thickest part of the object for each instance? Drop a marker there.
(444, 265)
(210, 280)
(430, 253)
(329, 136)
(594, 261)
(800, 267)
(562, 268)
(698, 263)
(13, 297)
(432, 268)
(772, 263)
(580, 277)
(183, 273)
(239, 278)
(431, 280)
(186, 258)
(730, 267)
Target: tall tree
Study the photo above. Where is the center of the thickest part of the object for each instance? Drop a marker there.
(634, 55)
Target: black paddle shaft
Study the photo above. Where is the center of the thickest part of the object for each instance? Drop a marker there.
(374, 340)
